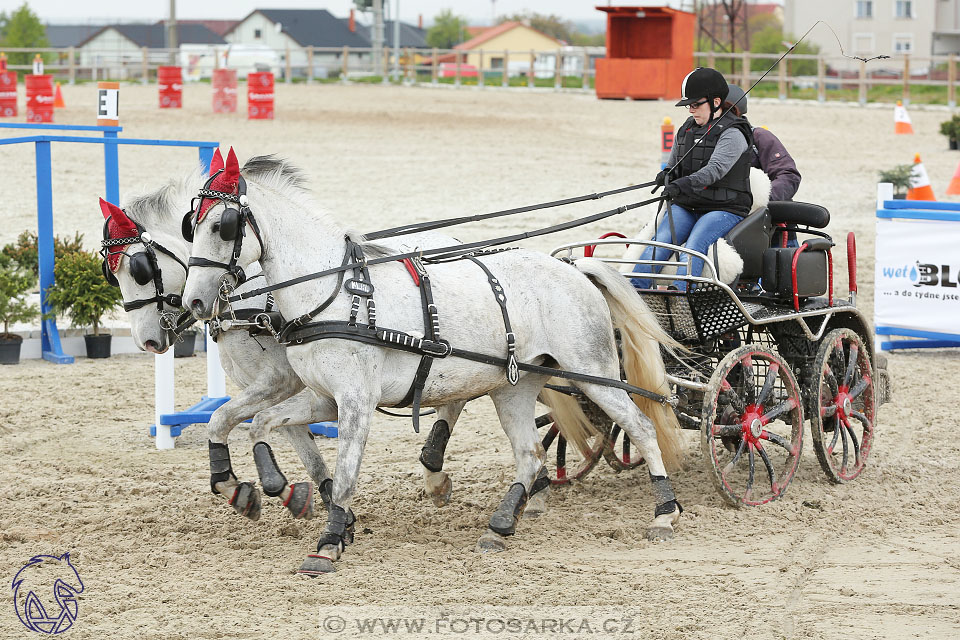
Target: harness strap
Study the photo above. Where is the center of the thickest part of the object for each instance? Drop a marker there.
(442, 349)
(513, 371)
(431, 330)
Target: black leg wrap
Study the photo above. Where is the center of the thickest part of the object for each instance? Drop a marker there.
(220, 469)
(431, 456)
(272, 479)
(662, 489)
(541, 483)
(504, 520)
(667, 508)
(338, 521)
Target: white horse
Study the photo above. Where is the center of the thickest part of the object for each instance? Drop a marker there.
(560, 314)
(154, 263)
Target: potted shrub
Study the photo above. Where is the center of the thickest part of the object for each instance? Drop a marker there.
(24, 251)
(81, 292)
(15, 283)
(951, 129)
(899, 177)
(186, 345)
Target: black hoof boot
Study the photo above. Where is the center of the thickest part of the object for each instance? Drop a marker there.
(271, 478)
(504, 520)
(246, 501)
(300, 500)
(431, 456)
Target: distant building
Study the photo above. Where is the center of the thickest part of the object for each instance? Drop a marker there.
(515, 37)
(410, 36)
(297, 29)
(70, 35)
(120, 46)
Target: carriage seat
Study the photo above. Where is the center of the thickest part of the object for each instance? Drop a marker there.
(805, 213)
(750, 238)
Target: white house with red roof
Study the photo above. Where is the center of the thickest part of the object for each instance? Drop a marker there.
(510, 41)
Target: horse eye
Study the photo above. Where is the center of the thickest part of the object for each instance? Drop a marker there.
(216, 227)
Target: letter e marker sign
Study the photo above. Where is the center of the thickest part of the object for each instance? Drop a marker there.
(108, 104)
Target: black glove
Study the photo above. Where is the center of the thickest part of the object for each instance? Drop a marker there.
(678, 186)
(671, 190)
(660, 180)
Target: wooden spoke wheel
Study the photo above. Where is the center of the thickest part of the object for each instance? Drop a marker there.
(620, 453)
(751, 430)
(571, 463)
(842, 405)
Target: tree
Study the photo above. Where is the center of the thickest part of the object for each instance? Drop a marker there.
(447, 30)
(22, 28)
(551, 25)
(771, 40)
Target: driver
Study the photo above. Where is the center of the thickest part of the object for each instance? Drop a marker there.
(710, 187)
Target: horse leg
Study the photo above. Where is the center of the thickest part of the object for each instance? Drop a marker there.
(516, 407)
(436, 482)
(242, 496)
(293, 415)
(622, 410)
(355, 415)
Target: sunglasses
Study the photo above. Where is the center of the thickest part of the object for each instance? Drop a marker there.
(696, 105)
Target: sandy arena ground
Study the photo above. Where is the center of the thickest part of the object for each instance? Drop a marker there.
(160, 557)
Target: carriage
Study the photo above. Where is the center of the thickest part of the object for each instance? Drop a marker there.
(766, 353)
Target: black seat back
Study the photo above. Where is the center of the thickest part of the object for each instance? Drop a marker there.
(751, 237)
(788, 212)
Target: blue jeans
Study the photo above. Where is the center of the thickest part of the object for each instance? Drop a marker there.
(694, 231)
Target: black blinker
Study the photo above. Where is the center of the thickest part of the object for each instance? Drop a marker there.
(141, 268)
(186, 226)
(108, 275)
(229, 224)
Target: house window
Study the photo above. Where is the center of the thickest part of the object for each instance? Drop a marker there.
(863, 43)
(903, 9)
(864, 8)
(903, 43)
(496, 63)
(256, 34)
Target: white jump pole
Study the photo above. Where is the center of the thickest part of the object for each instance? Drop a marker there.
(216, 382)
(884, 192)
(163, 394)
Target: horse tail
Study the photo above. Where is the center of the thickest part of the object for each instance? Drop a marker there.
(569, 417)
(642, 337)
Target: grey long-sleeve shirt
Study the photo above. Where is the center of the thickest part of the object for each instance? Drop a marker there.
(730, 146)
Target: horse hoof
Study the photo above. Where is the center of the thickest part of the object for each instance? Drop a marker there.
(491, 542)
(246, 501)
(537, 505)
(316, 565)
(659, 534)
(441, 495)
(300, 500)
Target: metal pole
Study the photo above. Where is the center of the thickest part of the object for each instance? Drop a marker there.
(49, 336)
(172, 32)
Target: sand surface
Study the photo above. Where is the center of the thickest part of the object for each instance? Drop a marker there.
(161, 557)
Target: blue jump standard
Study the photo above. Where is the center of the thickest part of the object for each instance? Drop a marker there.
(200, 414)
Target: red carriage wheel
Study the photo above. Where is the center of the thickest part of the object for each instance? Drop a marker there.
(751, 430)
(843, 405)
(620, 453)
(571, 463)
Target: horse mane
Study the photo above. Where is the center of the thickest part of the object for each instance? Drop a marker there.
(274, 173)
(165, 205)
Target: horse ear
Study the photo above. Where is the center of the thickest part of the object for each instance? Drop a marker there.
(231, 171)
(111, 210)
(217, 162)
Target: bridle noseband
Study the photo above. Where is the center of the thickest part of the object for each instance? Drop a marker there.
(233, 223)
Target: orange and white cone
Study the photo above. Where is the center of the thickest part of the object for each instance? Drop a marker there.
(954, 188)
(901, 119)
(920, 188)
(58, 99)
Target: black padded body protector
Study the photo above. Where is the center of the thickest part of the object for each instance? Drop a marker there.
(732, 191)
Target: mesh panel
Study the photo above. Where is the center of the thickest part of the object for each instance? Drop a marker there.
(714, 311)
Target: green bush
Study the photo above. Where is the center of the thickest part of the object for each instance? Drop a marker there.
(14, 285)
(898, 176)
(25, 252)
(80, 290)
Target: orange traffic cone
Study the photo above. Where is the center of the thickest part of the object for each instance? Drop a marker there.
(919, 182)
(954, 188)
(901, 119)
(58, 99)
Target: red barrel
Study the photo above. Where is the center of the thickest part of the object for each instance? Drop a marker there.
(39, 98)
(224, 90)
(260, 96)
(8, 94)
(170, 81)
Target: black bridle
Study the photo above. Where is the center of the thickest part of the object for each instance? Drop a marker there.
(233, 224)
(144, 267)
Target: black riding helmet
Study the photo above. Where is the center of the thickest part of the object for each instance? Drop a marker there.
(736, 93)
(703, 82)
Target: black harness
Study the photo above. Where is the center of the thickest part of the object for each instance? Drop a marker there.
(144, 267)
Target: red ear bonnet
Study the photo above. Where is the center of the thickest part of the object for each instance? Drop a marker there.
(225, 182)
(118, 226)
(216, 163)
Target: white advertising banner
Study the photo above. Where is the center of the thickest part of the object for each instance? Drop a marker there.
(918, 268)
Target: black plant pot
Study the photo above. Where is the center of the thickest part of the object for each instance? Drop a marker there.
(899, 196)
(184, 347)
(10, 350)
(98, 346)
(953, 144)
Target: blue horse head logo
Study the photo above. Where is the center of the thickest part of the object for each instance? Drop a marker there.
(45, 593)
